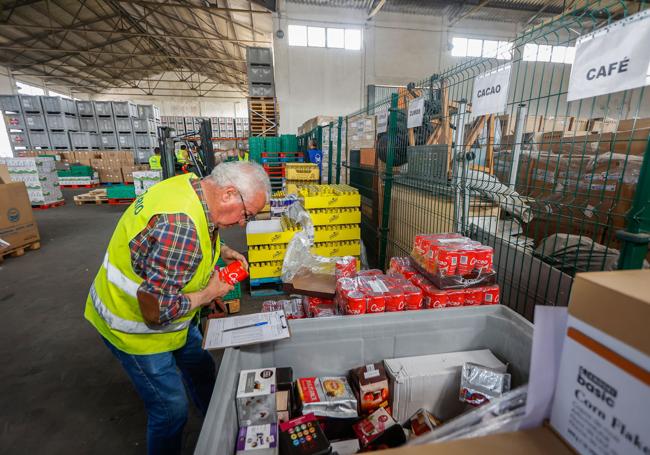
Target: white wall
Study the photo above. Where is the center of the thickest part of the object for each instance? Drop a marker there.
(397, 49)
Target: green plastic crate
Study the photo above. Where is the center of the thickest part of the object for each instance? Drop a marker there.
(273, 145)
(256, 145)
(64, 173)
(120, 192)
(289, 143)
(78, 170)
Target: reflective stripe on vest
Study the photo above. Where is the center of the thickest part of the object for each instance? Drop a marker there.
(124, 325)
(120, 280)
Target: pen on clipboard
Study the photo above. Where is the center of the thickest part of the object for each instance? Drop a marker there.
(247, 326)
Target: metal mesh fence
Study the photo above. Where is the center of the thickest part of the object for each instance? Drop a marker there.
(549, 184)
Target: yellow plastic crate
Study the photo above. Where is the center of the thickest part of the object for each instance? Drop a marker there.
(332, 201)
(337, 233)
(321, 217)
(301, 171)
(269, 238)
(265, 253)
(331, 249)
(265, 269)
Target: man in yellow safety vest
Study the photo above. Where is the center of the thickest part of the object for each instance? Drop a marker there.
(242, 155)
(154, 160)
(158, 271)
(182, 155)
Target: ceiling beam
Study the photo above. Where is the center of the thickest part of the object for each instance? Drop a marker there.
(103, 52)
(376, 9)
(84, 31)
(454, 20)
(190, 6)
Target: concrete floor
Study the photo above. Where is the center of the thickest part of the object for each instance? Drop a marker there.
(62, 390)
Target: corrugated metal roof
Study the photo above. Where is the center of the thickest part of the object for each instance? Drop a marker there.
(495, 10)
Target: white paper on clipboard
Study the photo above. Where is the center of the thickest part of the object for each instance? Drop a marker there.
(276, 328)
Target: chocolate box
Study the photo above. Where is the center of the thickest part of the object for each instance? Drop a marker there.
(371, 386)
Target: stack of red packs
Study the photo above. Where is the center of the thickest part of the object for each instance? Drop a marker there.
(451, 254)
(373, 292)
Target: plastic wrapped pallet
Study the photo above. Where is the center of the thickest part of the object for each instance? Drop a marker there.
(143, 180)
(39, 175)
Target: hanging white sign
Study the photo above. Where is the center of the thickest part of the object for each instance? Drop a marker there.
(613, 59)
(416, 113)
(382, 122)
(491, 92)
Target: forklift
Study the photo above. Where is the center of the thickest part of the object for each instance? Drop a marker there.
(201, 163)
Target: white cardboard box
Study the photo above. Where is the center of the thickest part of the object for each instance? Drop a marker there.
(602, 396)
(432, 382)
(256, 397)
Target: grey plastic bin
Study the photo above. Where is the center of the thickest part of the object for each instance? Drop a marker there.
(10, 103)
(331, 346)
(123, 124)
(85, 108)
(103, 108)
(59, 140)
(62, 122)
(35, 121)
(31, 103)
(105, 124)
(88, 124)
(56, 104)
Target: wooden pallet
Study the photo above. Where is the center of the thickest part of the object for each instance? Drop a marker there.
(93, 197)
(264, 116)
(19, 251)
(48, 206)
(92, 185)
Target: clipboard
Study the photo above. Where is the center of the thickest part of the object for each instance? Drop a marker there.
(275, 328)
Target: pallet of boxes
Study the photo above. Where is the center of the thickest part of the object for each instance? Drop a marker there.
(39, 175)
(18, 229)
(334, 210)
(580, 175)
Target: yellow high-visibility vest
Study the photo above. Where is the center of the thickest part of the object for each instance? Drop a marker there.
(154, 162)
(112, 305)
(245, 157)
(180, 157)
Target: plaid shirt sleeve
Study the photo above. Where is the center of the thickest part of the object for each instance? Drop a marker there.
(166, 254)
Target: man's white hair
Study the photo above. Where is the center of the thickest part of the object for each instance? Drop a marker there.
(248, 177)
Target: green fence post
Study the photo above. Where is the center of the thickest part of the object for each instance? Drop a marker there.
(329, 157)
(637, 236)
(388, 186)
(338, 152)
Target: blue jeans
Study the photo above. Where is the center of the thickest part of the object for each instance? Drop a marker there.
(159, 378)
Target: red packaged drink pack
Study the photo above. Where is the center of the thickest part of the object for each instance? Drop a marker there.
(437, 298)
(233, 273)
(412, 298)
(456, 297)
(346, 267)
(474, 296)
(376, 302)
(371, 272)
(483, 256)
(356, 303)
(446, 261)
(466, 260)
(491, 295)
(395, 300)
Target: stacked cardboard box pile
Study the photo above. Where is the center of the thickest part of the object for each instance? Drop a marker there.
(112, 166)
(39, 176)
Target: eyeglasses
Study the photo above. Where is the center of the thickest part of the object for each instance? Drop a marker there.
(248, 217)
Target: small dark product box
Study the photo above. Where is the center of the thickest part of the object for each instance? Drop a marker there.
(370, 384)
(303, 436)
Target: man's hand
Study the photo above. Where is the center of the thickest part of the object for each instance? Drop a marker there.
(213, 291)
(229, 255)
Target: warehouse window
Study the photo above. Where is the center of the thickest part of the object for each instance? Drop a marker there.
(334, 38)
(467, 47)
(28, 89)
(297, 35)
(546, 53)
(316, 36)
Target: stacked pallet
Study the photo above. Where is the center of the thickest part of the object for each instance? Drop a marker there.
(274, 153)
(263, 116)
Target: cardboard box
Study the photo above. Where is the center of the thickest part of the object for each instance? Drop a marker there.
(110, 175)
(17, 224)
(602, 394)
(127, 173)
(432, 382)
(368, 157)
(539, 441)
(4, 174)
(256, 403)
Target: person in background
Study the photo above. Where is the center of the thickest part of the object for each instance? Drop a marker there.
(314, 155)
(154, 160)
(242, 155)
(182, 155)
(157, 273)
